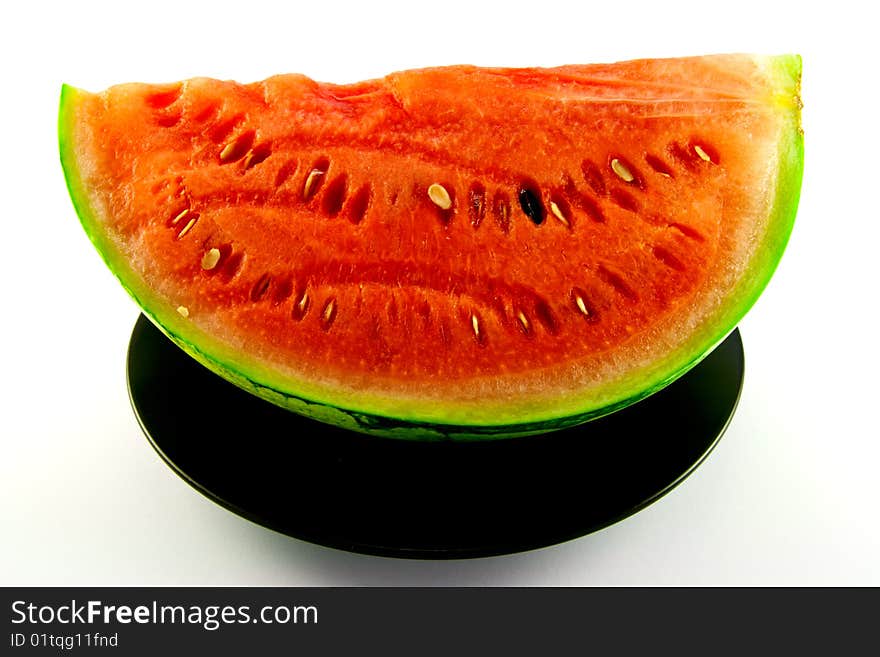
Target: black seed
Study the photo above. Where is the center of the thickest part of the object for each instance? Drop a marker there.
(530, 202)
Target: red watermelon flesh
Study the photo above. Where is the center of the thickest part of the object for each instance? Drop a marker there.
(448, 251)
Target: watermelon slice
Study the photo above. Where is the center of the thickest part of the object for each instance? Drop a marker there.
(455, 251)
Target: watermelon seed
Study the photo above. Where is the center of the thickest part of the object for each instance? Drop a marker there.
(622, 170)
(315, 178)
(188, 227)
(530, 202)
(475, 325)
(237, 148)
(703, 154)
(704, 151)
(523, 322)
(439, 196)
(328, 314)
(301, 307)
(554, 209)
(313, 181)
(183, 311)
(179, 217)
(210, 259)
(581, 304)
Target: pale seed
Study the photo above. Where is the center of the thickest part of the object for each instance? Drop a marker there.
(703, 154)
(475, 324)
(581, 305)
(183, 310)
(328, 310)
(313, 176)
(303, 301)
(622, 171)
(228, 151)
(523, 320)
(440, 197)
(558, 213)
(210, 259)
(179, 217)
(186, 229)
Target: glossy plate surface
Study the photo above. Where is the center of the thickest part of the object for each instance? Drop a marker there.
(440, 500)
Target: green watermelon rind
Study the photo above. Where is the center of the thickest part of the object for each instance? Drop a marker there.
(435, 421)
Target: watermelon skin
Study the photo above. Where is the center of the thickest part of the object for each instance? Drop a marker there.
(368, 412)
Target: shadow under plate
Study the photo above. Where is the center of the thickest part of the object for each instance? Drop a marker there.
(424, 500)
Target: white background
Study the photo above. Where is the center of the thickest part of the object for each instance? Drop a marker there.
(790, 496)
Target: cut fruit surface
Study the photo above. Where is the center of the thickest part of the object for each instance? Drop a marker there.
(446, 252)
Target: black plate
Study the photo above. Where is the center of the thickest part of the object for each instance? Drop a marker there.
(423, 500)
